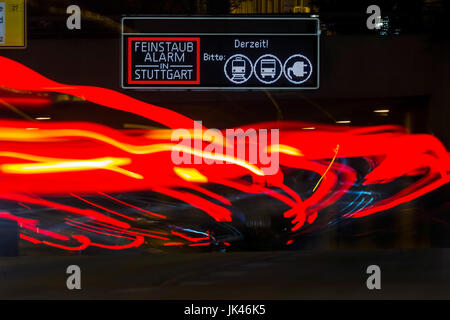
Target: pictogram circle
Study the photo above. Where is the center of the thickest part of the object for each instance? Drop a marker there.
(297, 69)
(268, 66)
(238, 68)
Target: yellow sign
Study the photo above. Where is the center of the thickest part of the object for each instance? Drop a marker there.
(12, 24)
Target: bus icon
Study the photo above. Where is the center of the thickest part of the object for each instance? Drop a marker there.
(268, 68)
(238, 68)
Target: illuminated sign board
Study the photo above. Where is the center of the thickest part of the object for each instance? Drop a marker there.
(12, 23)
(201, 53)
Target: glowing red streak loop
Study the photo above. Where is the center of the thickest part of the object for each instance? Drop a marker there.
(14, 74)
(145, 165)
(189, 238)
(89, 213)
(116, 230)
(30, 239)
(132, 206)
(136, 243)
(100, 207)
(217, 212)
(85, 242)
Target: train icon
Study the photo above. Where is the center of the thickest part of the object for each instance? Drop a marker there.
(238, 68)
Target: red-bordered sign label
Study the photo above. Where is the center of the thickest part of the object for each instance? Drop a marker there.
(163, 60)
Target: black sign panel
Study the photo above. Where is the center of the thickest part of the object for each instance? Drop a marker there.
(199, 53)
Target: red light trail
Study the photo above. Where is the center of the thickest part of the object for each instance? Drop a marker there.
(82, 159)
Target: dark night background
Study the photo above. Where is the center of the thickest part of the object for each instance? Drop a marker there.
(403, 67)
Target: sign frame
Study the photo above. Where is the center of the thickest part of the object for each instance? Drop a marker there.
(193, 35)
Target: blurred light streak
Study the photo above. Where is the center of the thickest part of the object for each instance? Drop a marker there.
(32, 225)
(111, 164)
(366, 204)
(207, 193)
(30, 239)
(84, 212)
(132, 206)
(15, 110)
(97, 231)
(103, 208)
(352, 202)
(85, 242)
(50, 150)
(190, 174)
(199, 244)
(190, 230)
(26, 102)
(358, 204)
(190, 238)
(331, 163)
(173, 244)
(285, 149)
(136, 243)
(23, 205)
(381, 111)
(144, 233)
(217, 212)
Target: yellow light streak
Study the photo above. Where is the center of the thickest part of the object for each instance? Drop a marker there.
(190, 174)
(282, 148)
(54, 165)
(329, 166)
